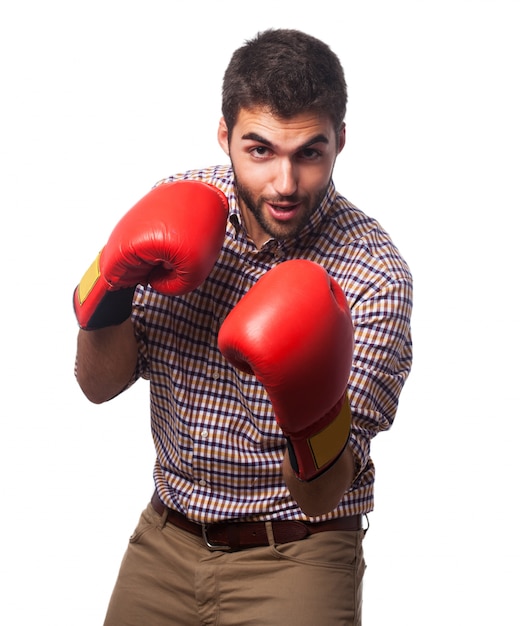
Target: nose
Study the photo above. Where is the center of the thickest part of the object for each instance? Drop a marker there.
(285, 180)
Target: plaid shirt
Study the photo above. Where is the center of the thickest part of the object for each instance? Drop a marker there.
(219, 449)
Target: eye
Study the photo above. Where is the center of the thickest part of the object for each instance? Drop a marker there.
(260, 152)
(309, 154)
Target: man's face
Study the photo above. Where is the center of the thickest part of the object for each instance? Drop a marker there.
(282, 169)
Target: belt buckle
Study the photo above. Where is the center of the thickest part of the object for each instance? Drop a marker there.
(212, 546)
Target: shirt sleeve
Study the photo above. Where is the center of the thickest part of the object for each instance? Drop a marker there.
(381, 364)
(142, 369)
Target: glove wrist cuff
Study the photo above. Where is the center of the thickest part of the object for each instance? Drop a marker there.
(95, 305)
(113, 308)
(310, 456)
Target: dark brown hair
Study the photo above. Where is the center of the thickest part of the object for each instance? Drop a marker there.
(288, 72)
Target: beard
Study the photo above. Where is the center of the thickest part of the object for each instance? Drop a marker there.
(274, 228)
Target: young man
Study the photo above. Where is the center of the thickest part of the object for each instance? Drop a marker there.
(272, 319)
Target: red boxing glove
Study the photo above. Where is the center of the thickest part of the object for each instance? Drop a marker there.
(293, 331)
(170, 239)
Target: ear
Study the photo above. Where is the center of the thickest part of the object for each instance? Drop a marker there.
(223, 135)
(342, 138)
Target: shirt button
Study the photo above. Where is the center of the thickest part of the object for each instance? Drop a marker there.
(204, 434)
(202, 483)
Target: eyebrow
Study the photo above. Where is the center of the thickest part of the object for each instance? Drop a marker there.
(316, 139)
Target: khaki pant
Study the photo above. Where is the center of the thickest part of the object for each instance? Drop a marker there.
(168, 577)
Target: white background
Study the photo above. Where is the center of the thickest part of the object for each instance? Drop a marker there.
(101, 99)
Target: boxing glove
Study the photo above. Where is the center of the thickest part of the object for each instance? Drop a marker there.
(170, 239)
(293, 331)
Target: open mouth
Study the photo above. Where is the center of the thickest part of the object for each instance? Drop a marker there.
(283, 212)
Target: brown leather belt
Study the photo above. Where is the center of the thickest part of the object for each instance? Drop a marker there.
(231, 536)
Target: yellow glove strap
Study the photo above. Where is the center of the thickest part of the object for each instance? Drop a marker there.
(326, 445)
(90, 278)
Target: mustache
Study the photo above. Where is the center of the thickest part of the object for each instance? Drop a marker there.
(293, 199)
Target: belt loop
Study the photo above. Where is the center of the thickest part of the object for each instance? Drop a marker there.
(164, 519)
(270, 533)
(159, 509)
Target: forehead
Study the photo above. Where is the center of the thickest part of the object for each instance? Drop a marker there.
(298, 129)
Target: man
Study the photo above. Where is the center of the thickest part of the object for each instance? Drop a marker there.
(272, 319)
